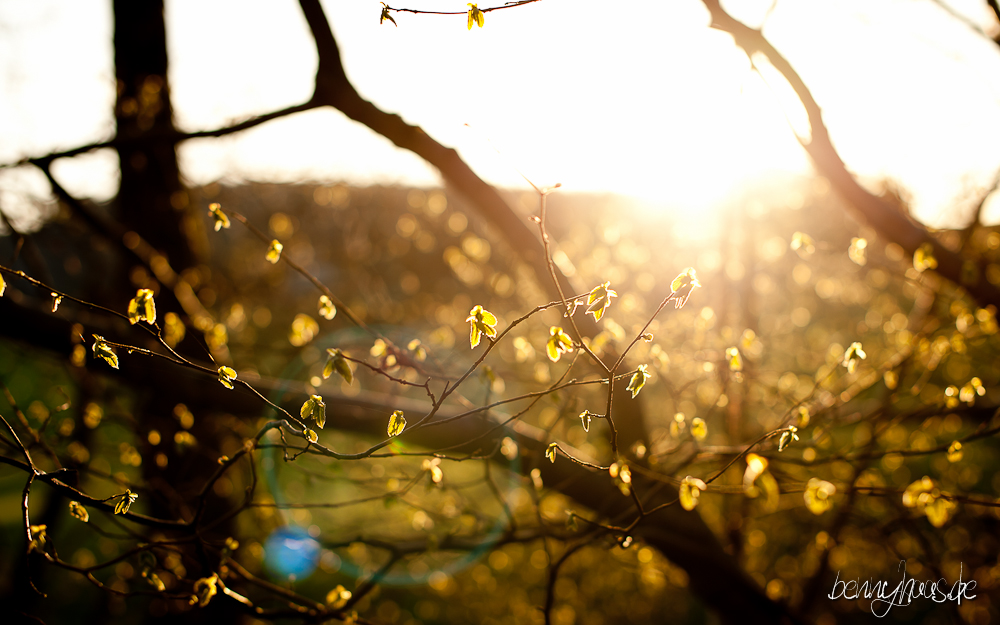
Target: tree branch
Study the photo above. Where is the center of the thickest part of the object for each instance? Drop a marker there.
(889, 220)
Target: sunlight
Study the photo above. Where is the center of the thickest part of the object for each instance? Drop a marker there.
(645, 101)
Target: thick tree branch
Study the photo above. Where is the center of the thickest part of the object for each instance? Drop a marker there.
(334, 89)
(889, 220)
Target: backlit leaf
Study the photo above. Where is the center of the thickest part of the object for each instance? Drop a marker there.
(600, 299)
(314, 408)
(78, 511)
(475, 16)
(124, 501)
(638, 380)
(396, 424)
(819, 495)
(336, 362)
(689, 492)
(482, 322)
(558, 344)
(226, 376)
(326, 308)
(682, 286)
(923, 258)
(105, 351)
(550, 452)
(699, 430)
(221, 221)
(142, 308)
(274, 252)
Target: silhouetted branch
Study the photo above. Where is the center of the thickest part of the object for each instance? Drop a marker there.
(889, 220)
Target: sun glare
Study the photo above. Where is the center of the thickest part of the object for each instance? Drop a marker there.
(644, 100)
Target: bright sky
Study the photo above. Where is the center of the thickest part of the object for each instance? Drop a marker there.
(635, 97)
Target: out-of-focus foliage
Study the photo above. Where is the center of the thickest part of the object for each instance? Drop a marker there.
(771, 341)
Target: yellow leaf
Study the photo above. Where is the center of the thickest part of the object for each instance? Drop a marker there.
(326, 308)
(482, 322)
(690, 491)
(314, 408)
(221, 221)
(550, 452)
(756, 465)
(818, 495)
(682, 286)
(274, 252)
(311, 435)
(3, 285)
(396, 424)
(226, 376)
(78, 511)
(923, 258)
(802, 244)
(858, 250)
(600, 299)
(699, 430)
(638, 380)
(204, 589)
(558, 344)
(124, 501)
(853, 356)
(337, 362)
(173, 329)
(955, 452)
(105, 351)
(338, 597)
(475, 16)
(735, 360)
(787, 436)
(434, 466)
(142, 308)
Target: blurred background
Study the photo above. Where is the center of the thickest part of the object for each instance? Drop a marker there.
(672, 152)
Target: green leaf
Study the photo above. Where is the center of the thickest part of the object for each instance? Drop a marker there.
(396, 424)
(226, 376)
(638, 380)
(103, 350)
(337, 362)
(314, 408)
(550, 452)
(78, 511)
(311, 435)
(124, 501)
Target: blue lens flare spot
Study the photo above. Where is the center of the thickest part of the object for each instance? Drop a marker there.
(290, 552)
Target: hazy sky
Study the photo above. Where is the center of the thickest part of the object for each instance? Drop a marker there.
(634, 97)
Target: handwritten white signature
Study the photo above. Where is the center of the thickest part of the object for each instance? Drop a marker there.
(904, 592)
